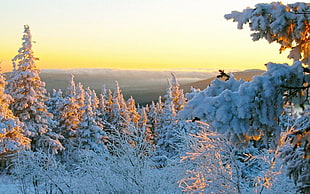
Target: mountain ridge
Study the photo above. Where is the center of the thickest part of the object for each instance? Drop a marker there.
(143, 86)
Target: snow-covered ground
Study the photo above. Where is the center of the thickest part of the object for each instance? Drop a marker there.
(8, 186)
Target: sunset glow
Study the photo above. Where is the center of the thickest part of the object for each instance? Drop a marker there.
(133, 34)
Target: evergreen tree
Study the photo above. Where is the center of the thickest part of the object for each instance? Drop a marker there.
(175, 94)
(54, 102)
(133, 115)
(153, 114)
(80, 97)
(145, 126)
(168, 130)
(105, 103)
(90, 132)
(118, 116)
(12, 136)
(29, 94)
(69, 116)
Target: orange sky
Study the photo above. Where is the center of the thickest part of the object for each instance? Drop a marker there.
(131, 34)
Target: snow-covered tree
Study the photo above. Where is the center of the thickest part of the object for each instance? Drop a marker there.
(168, 141)
(54, 101)
(105, 103)
(80, 96)
(29, 95)
(175, 94)
(132, 112)
(251, 110)
(118, 106)
(90, 134)
(12, 136)
(144, 124)
(69, 115)
(154, 112)
(288, 25)
(247, 110)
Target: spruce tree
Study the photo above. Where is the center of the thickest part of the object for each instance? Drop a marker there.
(69, 116)
(29, 94)
(168, 129)
(12, 136)
(90, 132)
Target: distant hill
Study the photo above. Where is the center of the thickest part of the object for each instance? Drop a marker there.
(246, 75)
(143, 86)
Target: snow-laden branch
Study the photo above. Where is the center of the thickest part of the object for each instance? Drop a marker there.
(246, 110)
(288, 25)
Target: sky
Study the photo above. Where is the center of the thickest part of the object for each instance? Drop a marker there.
(134, 34)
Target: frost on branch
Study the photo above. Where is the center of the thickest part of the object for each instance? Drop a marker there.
(246, 110)
(296, 150)
(288, 25)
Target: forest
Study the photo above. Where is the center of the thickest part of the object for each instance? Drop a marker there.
(235, 136)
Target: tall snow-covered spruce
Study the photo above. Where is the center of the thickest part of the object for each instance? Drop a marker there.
(69, 116)
(29, 95)
(90, 134)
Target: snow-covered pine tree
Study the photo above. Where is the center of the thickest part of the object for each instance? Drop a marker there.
(154, 112)
(118, 115)
(54, 102)
(80, 97)
(12, 136)
(117, 120)
(288, 25)
(176, 94)
(132, 112)
(90, 134)
(99, 118)
(144, 125)
(29, 94)
(69, 116)
(250, 111)
(105, 103)
(168, 131)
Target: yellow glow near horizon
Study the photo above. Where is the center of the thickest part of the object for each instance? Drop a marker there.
(133, 34)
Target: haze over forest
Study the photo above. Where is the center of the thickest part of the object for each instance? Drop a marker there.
(144, 86)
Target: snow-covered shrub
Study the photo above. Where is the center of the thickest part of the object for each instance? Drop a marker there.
(127, 168)
(296, 150)
(38, 172)
(214, 165)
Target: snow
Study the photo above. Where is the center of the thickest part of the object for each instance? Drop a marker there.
(8, 186)
(114, 146)
(237, 107)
